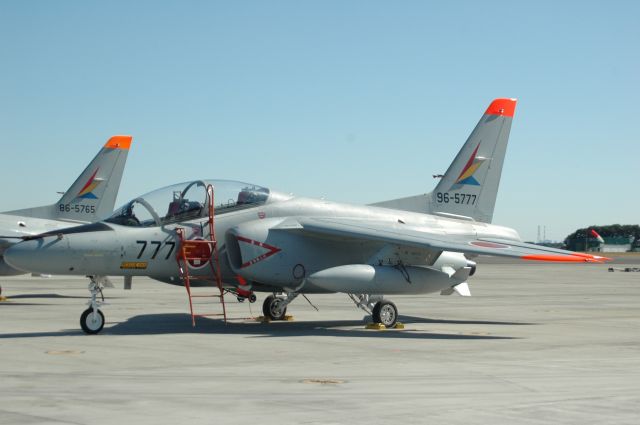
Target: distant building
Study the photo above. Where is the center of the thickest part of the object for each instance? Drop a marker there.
(617, 244)
(620, 238)
(611, 244)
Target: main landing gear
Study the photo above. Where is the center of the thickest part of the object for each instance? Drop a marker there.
(92, 319)
(385, 312)
(275, 308)
(381, 310)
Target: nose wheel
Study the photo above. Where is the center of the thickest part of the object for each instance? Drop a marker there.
(92, 321)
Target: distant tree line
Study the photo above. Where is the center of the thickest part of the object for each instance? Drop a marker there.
(577, 239)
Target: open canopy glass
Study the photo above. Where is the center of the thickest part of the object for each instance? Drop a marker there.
(188, 201)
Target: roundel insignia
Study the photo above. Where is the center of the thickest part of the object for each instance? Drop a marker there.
(299, 271)
(198, 254)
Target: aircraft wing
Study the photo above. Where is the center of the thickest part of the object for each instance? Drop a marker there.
(425, 238)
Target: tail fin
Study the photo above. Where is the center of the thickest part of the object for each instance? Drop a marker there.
(470, 186)
(92, 196)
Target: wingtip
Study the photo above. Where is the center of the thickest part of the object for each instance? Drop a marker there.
(502, 106)
(574, 257)
(590, 258)
(119, 142)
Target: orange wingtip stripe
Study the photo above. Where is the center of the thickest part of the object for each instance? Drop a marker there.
(575, 258)
(505, 107)
(582, 254)
(594, 258)
(119, 142)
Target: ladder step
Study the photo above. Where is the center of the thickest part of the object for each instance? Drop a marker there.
(196, 245)
(198, 276)
(206, 296)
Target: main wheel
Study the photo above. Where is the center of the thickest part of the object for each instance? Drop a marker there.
(274, 308)
(252, 298)
(91, 323)
(385, 312)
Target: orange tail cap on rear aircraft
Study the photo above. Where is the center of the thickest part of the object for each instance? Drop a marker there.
(503, 106)
(119, 142)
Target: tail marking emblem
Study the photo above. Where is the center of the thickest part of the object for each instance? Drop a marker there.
(466, 176)
(87, 190)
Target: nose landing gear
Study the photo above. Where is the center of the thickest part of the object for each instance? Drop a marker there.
(92, 319)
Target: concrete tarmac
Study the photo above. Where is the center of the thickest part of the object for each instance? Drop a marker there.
(536, 344)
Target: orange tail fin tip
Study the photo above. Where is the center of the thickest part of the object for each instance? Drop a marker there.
(119, 142)
(503, 106)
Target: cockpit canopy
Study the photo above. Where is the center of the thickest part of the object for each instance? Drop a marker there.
(188, 201)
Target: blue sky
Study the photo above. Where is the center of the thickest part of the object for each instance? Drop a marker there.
(356, 101)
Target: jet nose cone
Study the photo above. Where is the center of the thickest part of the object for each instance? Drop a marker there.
(38, 255)
(21, 255)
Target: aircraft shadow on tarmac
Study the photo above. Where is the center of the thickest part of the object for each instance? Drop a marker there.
(31, 296)
(178, 323)
(15, 300)
(49, 296)
(416, 319)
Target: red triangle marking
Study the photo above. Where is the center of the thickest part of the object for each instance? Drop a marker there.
(271, 250)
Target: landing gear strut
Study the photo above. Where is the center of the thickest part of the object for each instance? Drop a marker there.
(275, 308)
(92, 319)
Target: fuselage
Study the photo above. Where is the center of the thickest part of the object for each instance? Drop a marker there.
(106, 248)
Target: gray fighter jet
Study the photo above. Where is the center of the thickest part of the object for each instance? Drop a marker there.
(285, 245)
(90, 198)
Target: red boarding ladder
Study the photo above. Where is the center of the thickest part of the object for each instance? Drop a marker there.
(202, 250)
